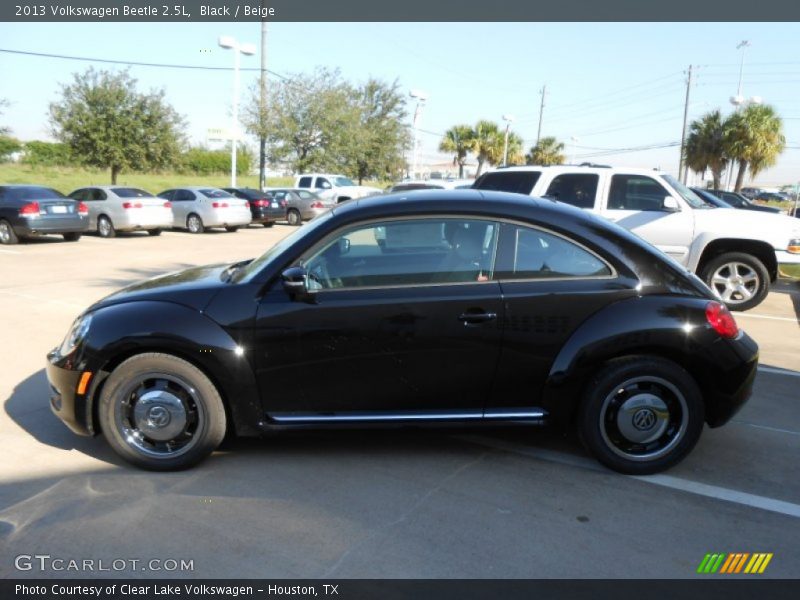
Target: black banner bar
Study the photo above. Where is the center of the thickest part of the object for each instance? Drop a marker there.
(407, 10)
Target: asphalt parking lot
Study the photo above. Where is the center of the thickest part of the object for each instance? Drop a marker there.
(410, 503)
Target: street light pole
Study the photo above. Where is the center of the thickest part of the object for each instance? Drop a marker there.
(230, 43)
(421, 98)
(508, 119)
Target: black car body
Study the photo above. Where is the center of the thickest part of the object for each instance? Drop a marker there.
(265, 210)
(32, 210)
(438, 307)
(742, 202)
(710, 199)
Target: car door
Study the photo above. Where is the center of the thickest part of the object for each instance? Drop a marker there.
(182, 202)
(636, 202)
(410, 327)
(551, 283)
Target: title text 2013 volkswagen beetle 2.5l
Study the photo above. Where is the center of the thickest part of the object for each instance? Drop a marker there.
(430, 307)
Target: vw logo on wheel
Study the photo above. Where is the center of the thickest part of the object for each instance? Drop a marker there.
(644, 419)
(158, 416)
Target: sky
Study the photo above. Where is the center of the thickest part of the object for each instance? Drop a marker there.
(611, 88)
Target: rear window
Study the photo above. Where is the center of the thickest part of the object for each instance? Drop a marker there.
(132, 193)
(214, 193)
(33, 193)
(517, 182)
(306, 195)
(305, 182)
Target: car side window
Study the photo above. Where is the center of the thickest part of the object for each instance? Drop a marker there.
(577, 189)
(79, 195)
(183, 196)
(517, 182)
(538, 254)
(322, 184)
(97, 194)
(305, 182)
(426, 251)
(305, 195)
(636, 192)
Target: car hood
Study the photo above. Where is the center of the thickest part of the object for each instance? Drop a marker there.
(194, 287)
(358, 191)
(777, 229)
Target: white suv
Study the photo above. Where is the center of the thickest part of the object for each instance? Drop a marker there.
(333, 187)
(737, 253)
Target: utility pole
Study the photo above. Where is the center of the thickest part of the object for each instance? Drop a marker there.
(683, 169)
(262, 109)
(543, 92)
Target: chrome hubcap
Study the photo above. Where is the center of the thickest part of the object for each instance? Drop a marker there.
(5, 234)
(194, 224)
(104, 226)
(644, 418)
(735, 282)
(159, 415)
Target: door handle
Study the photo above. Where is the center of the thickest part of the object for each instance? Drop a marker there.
(474, 318)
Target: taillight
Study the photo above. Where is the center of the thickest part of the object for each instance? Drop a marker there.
(83, 210)
(721, 320)
(31, 209)
(131, 205)
(219, 204)
(167, 204)
(317, 205)
(260, 203)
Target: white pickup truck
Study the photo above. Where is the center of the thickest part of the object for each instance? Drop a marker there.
(333, 187)
(736, 252)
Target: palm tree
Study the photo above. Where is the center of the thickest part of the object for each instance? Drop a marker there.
(487, 144)
(705, 146)
(754, 138)
(458, 140)
(547, 151)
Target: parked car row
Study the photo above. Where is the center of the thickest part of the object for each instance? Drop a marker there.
(30, 210)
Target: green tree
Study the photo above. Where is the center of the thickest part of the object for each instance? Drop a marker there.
(3, 103)
(705, 146)
(305, 120)
(8, 145)
(754, 139)
(107, 123)
(376, 146)
(515, 152)
(487, 144)
(547, 151)
(459, 141)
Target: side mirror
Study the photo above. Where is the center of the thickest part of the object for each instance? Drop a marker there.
(295, 284)
(670, 204)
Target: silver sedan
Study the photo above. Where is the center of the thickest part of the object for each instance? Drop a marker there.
(115, 208)
(301, 205)
(197, 208)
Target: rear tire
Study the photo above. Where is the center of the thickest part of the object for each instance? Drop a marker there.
(7, 235)
(231, 229)
(154, 232)
(160, 412)
(641, 415)
(105, 228)
(739, 280)
(195, 224)
(293, 217)
(71, 237)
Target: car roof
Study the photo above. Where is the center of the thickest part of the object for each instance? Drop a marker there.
(580, 168)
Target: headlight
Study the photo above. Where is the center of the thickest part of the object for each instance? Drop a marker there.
(75, 335)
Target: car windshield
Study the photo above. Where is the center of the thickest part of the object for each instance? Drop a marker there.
(247, 272)
(132, 193)
(34, 193)
(691, 198)
(213, 193)
(342, 181)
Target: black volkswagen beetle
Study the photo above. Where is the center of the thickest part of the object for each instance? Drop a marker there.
(461, 307)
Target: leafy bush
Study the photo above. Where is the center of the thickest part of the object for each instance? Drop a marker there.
(206, 162)
(8, 145)
(47, 154)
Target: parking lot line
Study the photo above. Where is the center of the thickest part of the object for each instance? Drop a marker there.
(776, 371)
(769, 317)
(4, 251)
(668, 481)
(767, 427)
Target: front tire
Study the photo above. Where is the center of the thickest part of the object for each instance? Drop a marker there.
(7, 234)
(739, 280)
(641, 415)
(160, 412)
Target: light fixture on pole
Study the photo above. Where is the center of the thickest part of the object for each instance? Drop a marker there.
(421, 97)
(508, 119)
(230, 43)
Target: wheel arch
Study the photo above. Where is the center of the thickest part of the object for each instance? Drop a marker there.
(757, 248)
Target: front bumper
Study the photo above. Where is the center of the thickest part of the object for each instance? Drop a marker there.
(788, 264)
(66, 403)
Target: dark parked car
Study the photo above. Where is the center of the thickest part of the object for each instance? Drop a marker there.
(265, 210)
(710, 199)
(477, 308)
(740, 201)
(301, 205)
(32, 210)
(771, 197)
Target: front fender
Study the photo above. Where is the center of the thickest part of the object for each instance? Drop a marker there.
(660, 325)
(123, 330)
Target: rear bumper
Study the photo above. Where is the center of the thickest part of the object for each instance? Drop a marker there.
(731, 385)
(228, 219)
(788, 264)
(133, 222)
(268, 215)
(45, 225)
(65, 402)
